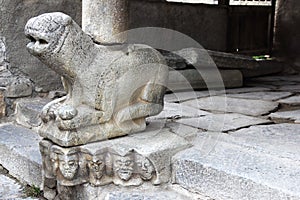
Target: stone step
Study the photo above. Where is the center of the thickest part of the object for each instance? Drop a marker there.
(207, 58)
(199, 58)
(28, 111)
(265, 67)
(190, 79)
(144, 192)
(11, 189)
(260, 162)
(19, 153)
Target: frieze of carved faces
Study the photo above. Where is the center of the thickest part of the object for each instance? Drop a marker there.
(96, 166)
(145, 168)
(74, 166)
(69, 166)
(123, 166)
(99, 167)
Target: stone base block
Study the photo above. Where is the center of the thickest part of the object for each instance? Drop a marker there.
(145, 192)
(125, 161)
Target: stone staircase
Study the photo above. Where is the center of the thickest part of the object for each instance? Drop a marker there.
(260, 162)
(253, 160)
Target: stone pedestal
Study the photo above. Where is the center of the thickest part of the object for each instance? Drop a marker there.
(126, 161)
(111, 90)
(105, 19)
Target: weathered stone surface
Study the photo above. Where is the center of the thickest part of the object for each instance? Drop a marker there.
(145, 193)
(235, 167)
(290, 78)
(292, 88)
(20, 153)
(3, 54)
(14, 15)
(187, 132)
(266, 67)
(295, 78)
(223, 122)
(56, 94)
(272, 83)
(206, 58)
(293, 115)
(247, 89)
(233, 105)
(174, 61)
(128, 161)
(176, 111)
(150, 196)
(192, 79)
(292, 101)
(186, 95)
(9, 189)
(28, 111)
(182, 96)
(2, 104)
(265, 85)
(267, 96)
(15, 86)
(111, 89)
(280, 140)
(105, 19)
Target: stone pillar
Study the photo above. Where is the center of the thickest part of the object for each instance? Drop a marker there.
(104, 19)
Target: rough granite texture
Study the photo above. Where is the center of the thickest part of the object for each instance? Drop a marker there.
(223, 122)
(28, 111)
(233, 169)
(293, 115)
(20, 153)
(234, 105)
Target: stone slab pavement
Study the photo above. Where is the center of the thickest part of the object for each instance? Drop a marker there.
(11, 189)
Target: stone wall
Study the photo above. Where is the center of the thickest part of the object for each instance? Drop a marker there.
(14, 14)
(287, 32)
(207, 24)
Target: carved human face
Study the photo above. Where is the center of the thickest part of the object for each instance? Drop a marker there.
(69, 166)
(96, 166)
(145, 168)
(123, 167)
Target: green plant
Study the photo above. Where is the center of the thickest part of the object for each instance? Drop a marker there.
(261, 57)
(33, 191)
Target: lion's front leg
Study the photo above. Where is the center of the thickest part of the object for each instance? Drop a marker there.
(71, 118)
(49, 111)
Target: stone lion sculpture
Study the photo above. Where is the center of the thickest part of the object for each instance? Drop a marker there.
(110, 89)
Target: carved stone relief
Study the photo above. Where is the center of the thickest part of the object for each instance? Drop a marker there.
(111, 89)
(77, 165)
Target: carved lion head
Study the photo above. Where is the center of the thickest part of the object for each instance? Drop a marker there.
(47, 32)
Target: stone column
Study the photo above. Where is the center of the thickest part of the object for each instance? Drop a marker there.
(104, 19)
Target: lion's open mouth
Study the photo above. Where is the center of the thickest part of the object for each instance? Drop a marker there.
(36, 45)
